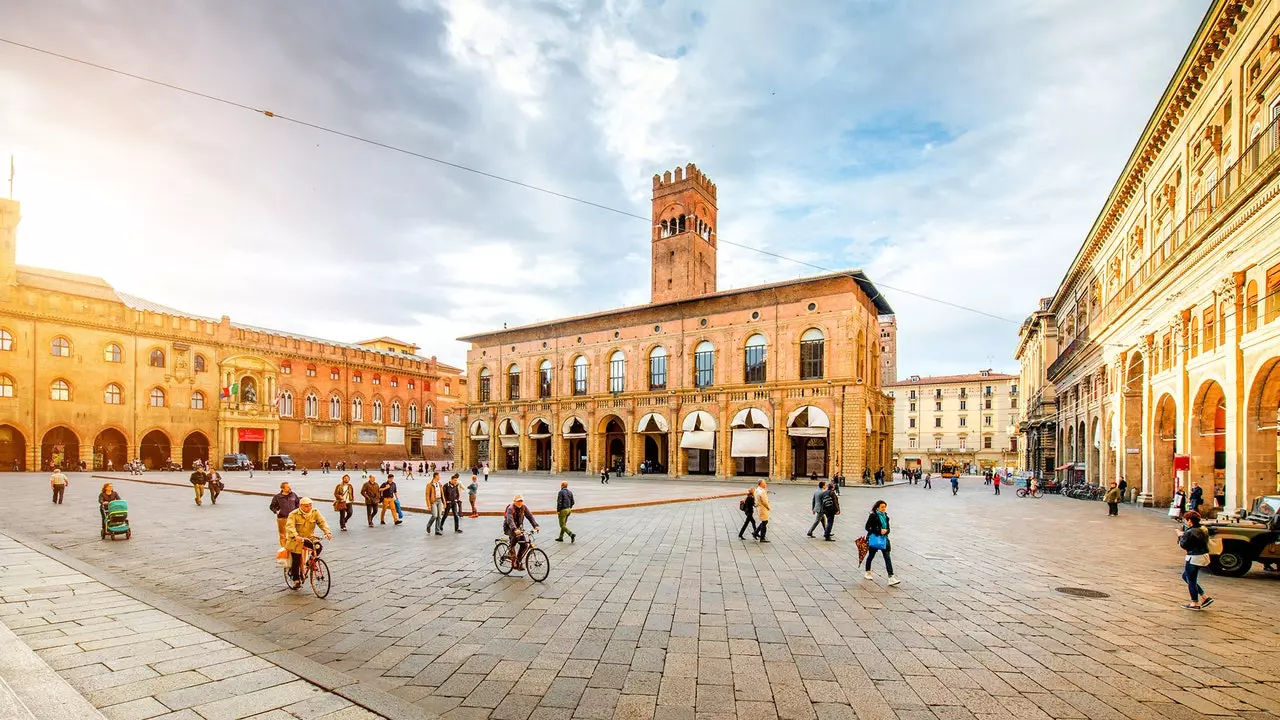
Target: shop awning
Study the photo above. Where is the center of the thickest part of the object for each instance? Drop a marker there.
(508, 428)
(699, 420)
(510, 441)
(653, 423)
(808, 416)
(539, 436)
(750, 442)
(539, 429)
(479, 430)
(698, 440)
(749, 417)
(567, 430)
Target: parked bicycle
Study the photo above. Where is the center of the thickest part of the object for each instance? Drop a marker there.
(314, 570)
(536, 562)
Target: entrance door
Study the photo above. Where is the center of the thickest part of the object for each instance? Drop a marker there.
(511, 457)
(809, 456)
(655, 454)
(60, 448)
(252, 448)
(577, 454)
(542, 454)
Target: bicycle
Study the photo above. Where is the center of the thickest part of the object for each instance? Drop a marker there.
(1027, 492)
(313, 569)
(536, 562)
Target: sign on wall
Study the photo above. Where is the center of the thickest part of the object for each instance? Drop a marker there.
(429, 438)
(366, 435)
(251, 435)
(395, 436)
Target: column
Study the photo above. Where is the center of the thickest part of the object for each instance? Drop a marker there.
(1236, 395)
(1144, 430)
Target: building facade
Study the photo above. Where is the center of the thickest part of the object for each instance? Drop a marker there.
(89, 374)
(778, 380)
(888, 350)
(1037, 419)
(1168, 317)
(955, 419)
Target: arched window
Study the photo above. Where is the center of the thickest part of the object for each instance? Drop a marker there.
(157, 397)
(544, 379)
(60, 347)
(754, 360)
(580, 375)
(6, 386)
(395, 412)
(704, 364)
(335, 408)
(113, 395)
(658, 368)
(428, 415)
(286, 403)
(156, 359)
(413, 413)
(310, 406)
(6, 340)
(663, 226)
(513, 382)
(483, 387)
(1251, 306)
(812, 343)
(377, 411)
(197, 400)
(682, 217)
(199, 364)
(113, 353)
(357, 410)
(617, 372)
(59, 390)
(335, 374)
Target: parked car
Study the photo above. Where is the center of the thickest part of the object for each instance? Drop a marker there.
(281, 462)
(1236, 544)
(236, 461)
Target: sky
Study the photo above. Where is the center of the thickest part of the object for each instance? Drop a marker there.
(959, 150)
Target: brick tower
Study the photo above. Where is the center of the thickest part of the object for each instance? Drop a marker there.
(684, 234)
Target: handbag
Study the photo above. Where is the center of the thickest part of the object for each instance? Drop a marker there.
(879, 542)
(339, 505)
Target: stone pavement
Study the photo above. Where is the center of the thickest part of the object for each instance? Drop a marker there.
(663, 612)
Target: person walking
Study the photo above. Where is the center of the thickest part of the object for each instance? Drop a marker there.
(763, 506)
(1112, 498)
(215, 485)
(198, 481)
(372, 497)
(564, 507)
(815, 507)
(344, 496)
(878, 539)
(390, 497)
(955, 483)
(830, 503)
(1124, 490)
(58, 481)
(1197, 496)
(453, 503)
(283, 503)
(299, 526)
(928, 485)
(471, 495)
(484, 468)
(748, 506)
(995, 480)
(107, 495)
(1194, 540)
(435, 503)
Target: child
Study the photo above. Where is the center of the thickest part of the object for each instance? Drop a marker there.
(471, 495)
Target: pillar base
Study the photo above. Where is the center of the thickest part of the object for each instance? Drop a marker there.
(1146, 499)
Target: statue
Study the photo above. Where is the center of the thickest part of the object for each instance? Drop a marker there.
(249, 394)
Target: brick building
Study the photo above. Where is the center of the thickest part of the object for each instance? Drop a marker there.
(88, 373)
(888, 350)
(776, 380)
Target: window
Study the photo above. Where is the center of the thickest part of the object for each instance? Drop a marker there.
(911, 443)
(113, 395)
(811, 347)
(156, 359)
(937, 443)
(964, 405)
(1013, 444)
(1195, 337)
(335, 408)
(1210, 333)
(6, 340)
(157, 397)
(113, 353)
(912, 395)
(199, 364)
(1013, 403)
(937, 393)
(658, 368)
(413, 413)
(912, 408)
(377, 379)
(986, 390)
(483, 388)
(754, 360)
(286, 368)
(580, 375)
(448, 389)
(1251, 306)
(311, 371)
(544, 379)
(964, 421)
(986, 404)
(937, 406)
(986, 420)
(704, 365)
(335, 375)
(986, 443)
(1166, 351)
(59, 390)
(377, 411)
(937, 422)
(1222, 324)
(513, 382)
(357, 410)
(395, 412)
(963, 442)
(357, 377)
(1272, 303)
(428, 415)
(911, 422)
(412, 384)
(60, 347)
(286, 404)
(617, 372)
(395, 382)
(197, 400)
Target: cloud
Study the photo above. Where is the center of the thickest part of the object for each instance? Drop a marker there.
(960, 150)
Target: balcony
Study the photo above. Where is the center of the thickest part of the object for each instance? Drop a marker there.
(1078, 347)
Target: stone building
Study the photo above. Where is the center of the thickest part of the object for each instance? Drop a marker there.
(1038, 418)
(776, 380)
(888, 350)
(1168, 317)
(956, 419)
(88, 373)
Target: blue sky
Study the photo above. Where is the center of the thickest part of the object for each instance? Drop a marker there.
(956, 149)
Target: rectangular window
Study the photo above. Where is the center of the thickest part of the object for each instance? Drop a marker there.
(1166, 351)
(704, 373)
(1013, 444)
(986, 390)
(986, 443)
(811, 359)
(964, 392)
(963, 442)
(937, 422)
(1013, 403)
(617, 376)
(964, 421)
(658, 373)
(986, 420)
(1210, 332)
(580, 379)
(937, 393)
(987, 404)
(937, 443)
(513, 386)
(911, 442)
(911, 422)
(1272, 296)
(938, 406)
(913, 407)
(964, 405)
(913, 395)
(755, 364)
(544, 383)
(484, 389)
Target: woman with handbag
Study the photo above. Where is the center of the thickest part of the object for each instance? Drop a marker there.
(344, 496)
(1194, 539)
(878, 539)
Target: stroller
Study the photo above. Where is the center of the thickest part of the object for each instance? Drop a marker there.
(115, 520)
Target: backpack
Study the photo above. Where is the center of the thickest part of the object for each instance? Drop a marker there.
(828, 502)
(506, 524)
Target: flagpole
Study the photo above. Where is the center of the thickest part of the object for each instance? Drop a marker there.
(11, 176)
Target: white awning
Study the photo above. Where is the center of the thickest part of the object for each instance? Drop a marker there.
(535, 432)
(698, 440)
(510, 441)
(568, 423)
(750, 442)
(750, 416)
(808, 416)
(539, 436)
(807, 432)
(479, 430)
(653, 423)
(699, 420)
(506, 428)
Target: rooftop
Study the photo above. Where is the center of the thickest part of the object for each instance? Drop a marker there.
(980, 376)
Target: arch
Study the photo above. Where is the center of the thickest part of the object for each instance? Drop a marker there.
(751, 418)
(1096, 468)
(357, 409)
(807, 431)
(199, 364)
(704, 364)
(617, 371)
(1130, 431)
(395, 412)
(573, 426)
(508, 428)
(755, 359)
(653, 423)
(197, 400)
(581, 374)
(539, 428)
(1262, 417)
(286, 404)
(613, 436)
(110, 445)
(1071, 443)
(377, 410)
(698, 442)
(1207, 438)
(812, 354)
(310, 406)
(429, 415)
(6, 341)
(13, 449)
(248, 389)
(113, 353)
(617, 423)
(6, 386)
(195, 446)
(479, 430)
(808, 416)
(335, 407)
(1164, 443)
(699, 420)
(60, 447)
(155, 449)
(812, 333)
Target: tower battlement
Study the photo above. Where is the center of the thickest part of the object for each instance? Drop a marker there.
(684, 234)
(682, 178)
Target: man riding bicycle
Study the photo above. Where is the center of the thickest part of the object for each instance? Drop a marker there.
(298, 528)
(513, 527)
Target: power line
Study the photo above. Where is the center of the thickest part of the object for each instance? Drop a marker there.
(456, 166)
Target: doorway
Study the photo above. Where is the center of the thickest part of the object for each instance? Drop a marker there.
(13, 449)
(195, 447)
(809, 456)
(155, 450)
(110, 449)
(60, 448)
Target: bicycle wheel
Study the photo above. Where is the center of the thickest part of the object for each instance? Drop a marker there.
(1038, 493)
(319, 577)
(1022, 492)
(538, 564)
(501, 559)
(288, 582)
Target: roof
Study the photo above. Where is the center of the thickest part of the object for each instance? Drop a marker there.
(387, 340)
(944, 379)
(869, 288)
(65, 282)
(137, 303)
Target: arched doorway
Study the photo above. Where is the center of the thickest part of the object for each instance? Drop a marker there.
(615, 443)
(509, 438)
(61, 448)
(698, 441)
(1262, 418)
(1164, 443)
(749, 443)
(653, 429)
(1207, 441)
(540, 434)
(1082, 465)
(574, 432)
(1098, 473)
(1131, 433)
(479, 434)
(155, 450)
(13, 449)
(195, 447)
(110, 449)
(807, 428)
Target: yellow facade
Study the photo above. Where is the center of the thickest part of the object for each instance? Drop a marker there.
(962, 419)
